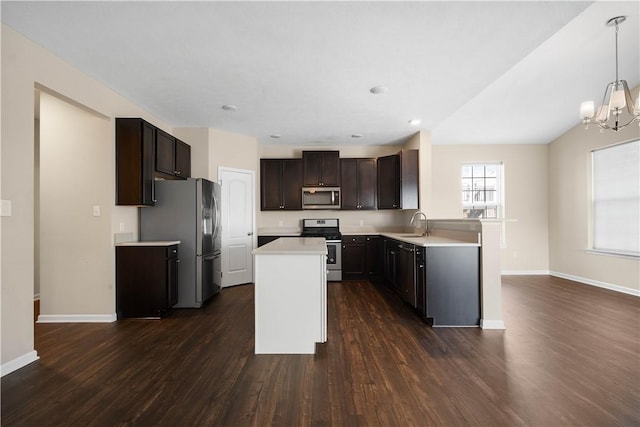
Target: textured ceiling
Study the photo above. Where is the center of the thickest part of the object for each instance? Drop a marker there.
(472, 72)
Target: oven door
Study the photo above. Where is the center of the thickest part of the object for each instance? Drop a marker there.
(334, 260)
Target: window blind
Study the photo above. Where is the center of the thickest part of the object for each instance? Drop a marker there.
(616, 199)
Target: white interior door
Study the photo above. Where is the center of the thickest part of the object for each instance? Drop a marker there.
(238, 215)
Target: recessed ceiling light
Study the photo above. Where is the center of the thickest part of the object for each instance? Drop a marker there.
(229, 107)
(414, 122)
(275, 135)
(378, 90)
(357, 135)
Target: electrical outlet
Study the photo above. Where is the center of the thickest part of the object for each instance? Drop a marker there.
(96, 210)
(5, 208)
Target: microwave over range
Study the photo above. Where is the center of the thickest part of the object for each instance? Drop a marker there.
(321, 198)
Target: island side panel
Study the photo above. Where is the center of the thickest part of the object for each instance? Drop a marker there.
(491, 290)
(288, 303)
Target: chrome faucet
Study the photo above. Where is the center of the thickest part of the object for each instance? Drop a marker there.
(413, 218)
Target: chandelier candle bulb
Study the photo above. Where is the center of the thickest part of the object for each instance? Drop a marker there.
(587, 109)
(618, 100)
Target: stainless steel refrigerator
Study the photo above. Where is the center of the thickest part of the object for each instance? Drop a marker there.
(189, 211)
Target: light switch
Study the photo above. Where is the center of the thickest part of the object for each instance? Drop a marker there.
(5, 208)
(96, 210)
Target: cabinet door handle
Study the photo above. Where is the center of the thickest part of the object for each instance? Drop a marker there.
(177, 172)
(177, 261)
(354, 239)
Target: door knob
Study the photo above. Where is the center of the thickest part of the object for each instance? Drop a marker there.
(250, 234)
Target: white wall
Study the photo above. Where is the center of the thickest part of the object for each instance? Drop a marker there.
(26, 66)
(198, 139)
(76, 254)
(233, 150)
(525, 175)
(569, 207)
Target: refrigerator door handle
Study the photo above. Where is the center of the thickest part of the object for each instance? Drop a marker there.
(216, 224)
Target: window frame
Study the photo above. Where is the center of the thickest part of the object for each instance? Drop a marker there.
(592, 221)
(499, 203)
(501, 195)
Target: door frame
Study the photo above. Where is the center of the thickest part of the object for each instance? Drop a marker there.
(254, 236)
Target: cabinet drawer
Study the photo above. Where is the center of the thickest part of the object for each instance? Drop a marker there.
(354, 239)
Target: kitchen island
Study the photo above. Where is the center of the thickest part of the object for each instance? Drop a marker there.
(290, 295)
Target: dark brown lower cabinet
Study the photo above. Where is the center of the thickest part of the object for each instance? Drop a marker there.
(441, 282)
(146, 280)
(374, 257)
(420, 279)
(390, 263)
(361, 257)
(407, 273)
(354, 257)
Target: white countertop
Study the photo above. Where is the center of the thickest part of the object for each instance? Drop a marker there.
(150, 243)
(407, 237)
(428, 241)
(294, 246)
(280, 231)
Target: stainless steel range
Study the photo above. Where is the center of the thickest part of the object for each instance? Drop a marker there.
(330, 230)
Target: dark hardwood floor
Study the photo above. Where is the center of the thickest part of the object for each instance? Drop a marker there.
(570, 356)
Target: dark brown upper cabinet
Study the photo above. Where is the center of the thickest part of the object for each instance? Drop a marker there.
(280, 184)
(321, 168)
(358, 183)
(173, 157)
(135, 155)
(398, 181)
(183, 159)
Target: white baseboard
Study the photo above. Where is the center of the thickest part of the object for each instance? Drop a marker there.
(18, 362)
(492, 324)
(524, 272)
(77, 318)
(599, 284)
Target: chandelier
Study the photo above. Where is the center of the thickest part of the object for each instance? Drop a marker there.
(618, 108)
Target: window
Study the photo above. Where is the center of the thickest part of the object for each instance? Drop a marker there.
(482, 190)
(616, 199)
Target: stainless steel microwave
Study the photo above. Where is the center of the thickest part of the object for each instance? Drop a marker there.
(321, 198)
